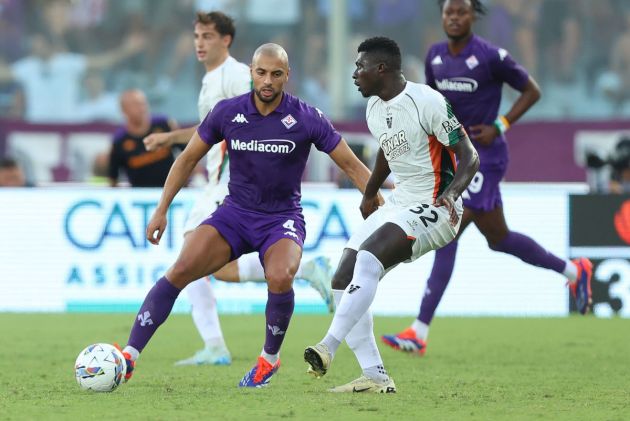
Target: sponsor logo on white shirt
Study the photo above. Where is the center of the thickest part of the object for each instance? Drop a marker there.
(451, 125)
(457, 84)
(282, 146)
(239, 118)
(395, 145)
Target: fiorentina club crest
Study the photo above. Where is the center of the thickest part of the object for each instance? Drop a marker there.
(472, 62)
(288, 121)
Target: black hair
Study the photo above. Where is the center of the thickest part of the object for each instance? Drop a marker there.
(223, 24)
(477, 6)
(8, 162)
(386, 48)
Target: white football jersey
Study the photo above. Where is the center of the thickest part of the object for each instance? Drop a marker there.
(413, 130)
(230, 79)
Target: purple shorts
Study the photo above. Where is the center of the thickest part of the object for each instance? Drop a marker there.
(483, 193)
(247, 231)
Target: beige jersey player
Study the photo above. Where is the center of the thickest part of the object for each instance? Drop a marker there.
(415, 130)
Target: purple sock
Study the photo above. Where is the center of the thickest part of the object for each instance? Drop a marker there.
(529, 251)
(278, 314)
(438, 281)
(154, 311)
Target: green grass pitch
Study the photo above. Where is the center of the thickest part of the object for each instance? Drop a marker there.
(575, 368)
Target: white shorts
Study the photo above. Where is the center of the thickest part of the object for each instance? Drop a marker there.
(207, 202)
(427, 225)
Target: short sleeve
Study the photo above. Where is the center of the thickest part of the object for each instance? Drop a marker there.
(323, 134)
(506, 69)
(440, 120)
(211, 128)
(114, 160)
(22, 69)
(240, 82)
(74, 63)
(429, 77)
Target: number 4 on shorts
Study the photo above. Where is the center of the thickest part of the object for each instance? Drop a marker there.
(289, 225)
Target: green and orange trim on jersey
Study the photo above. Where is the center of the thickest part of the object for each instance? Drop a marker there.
(455, 135)
(444, 165)
(225, 160)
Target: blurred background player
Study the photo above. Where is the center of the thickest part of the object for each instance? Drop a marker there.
(143, 168)
(225, 78)
(11, 174)
(418, 138)
(51, 77)
(470, 72)
(262, 212)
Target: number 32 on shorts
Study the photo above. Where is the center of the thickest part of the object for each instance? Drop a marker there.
(425, 218)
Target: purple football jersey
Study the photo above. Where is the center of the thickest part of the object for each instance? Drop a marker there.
(472, 82)
(267, 153)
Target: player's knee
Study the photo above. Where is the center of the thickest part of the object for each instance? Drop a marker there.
(279, 280)
(495, 244)
(180, 273)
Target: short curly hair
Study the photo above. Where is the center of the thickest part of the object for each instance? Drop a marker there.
(477, 5)
(386, 48)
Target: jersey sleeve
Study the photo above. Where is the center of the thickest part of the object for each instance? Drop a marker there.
(115, 160)
(440, 121)
(75, 63)
(323, 134)
(429, 77)
(240, 82)
(211, 128)
(506, 69)
(22, 69)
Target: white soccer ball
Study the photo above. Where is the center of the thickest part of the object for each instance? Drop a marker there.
(100, 367)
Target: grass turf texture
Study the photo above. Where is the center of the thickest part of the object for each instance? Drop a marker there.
(574, 368)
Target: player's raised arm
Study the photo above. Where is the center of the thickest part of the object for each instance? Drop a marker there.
(178, 136)
(177, 178)
(468, 164)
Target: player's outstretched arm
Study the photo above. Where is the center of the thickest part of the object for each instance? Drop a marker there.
(177, 178)
(178, 136)
(528, 97)
(349, 163)
(466, 169)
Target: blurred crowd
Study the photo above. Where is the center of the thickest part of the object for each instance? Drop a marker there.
(68, 60)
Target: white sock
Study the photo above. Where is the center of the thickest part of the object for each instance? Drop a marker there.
(271, 358)
(358, 296)
(361, 338)
(133, 352)
(376, 373)
(422, 329)
(204, 313)
(570, 271)
(250, 269)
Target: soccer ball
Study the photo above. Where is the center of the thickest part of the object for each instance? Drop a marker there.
(100, 367)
